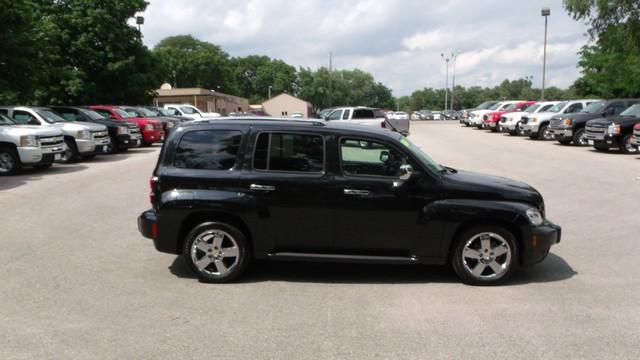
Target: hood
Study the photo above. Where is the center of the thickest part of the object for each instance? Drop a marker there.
(481, 112)
(514, 115)
(545, 115)
(578, 116)
(110, 123)
(618, 120)
(472, 185)
(19, 130)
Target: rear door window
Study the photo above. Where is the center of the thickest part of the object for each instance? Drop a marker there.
(289, 152)
(208, 150)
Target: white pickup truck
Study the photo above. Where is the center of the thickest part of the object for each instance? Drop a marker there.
(190, 111)
(28, 145)
(370, 117)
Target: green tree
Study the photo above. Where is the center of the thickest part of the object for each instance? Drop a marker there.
(253, 75)
(611, 63)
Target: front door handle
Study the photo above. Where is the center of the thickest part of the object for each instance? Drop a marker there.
(356, 192)
(259, 187)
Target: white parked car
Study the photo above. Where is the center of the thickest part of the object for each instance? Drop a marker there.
(297, 115)
(190, 111)
(536, 126)
(510, 122)
(370, 117)
(400, 115)
(475, 117)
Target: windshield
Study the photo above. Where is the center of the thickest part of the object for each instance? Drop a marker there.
(531, 108)
(189, 110)
(424, 158)
(6, 121)
(146, 112)
(558, 107)
(124, 114)
(594, 107)
(494, 106)
(157, 112)
(485, 105)
(634, 110)
(51, 117)
(92, 114)
(510, 107)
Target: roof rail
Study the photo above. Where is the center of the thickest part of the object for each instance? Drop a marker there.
(313, 122)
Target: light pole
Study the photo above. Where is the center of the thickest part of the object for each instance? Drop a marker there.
(140, 21)
(446, 81)
(545, 12)
(453, 79)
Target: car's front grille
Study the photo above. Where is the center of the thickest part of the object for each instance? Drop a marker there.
(51, 141)
(595, 130)
(100, 135)
(555, 124)
(503, 119)
(524, 120)
(636, 133)
(485, 117)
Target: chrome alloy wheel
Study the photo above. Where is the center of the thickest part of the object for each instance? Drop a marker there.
(546, 134)
(215, 252)
(629, 147)
(486, 256)
(6, 162)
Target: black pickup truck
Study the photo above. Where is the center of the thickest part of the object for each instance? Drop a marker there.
(225, 192)
(570, 128)
(124, 135)
(614, 132)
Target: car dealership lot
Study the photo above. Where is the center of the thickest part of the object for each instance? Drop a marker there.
(78, 281)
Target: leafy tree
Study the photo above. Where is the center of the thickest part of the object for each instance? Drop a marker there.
(254, 74)
(611, 63)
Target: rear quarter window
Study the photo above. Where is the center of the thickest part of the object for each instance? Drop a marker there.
(289, 152)
(208, 150)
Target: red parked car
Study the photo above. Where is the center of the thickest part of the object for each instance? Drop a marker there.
(151, 129)
(491, 120)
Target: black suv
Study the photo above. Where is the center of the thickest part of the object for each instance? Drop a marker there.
(614, 132)
(568, 128)
(227, 191)
(124, 135)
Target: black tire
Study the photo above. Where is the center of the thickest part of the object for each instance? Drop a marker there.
(626, 147)
(519, 130)
(542, 131)
(578, 138)
(42, 166)
(113, 145)
(509, 258)
(234, 265)
(71, 155)
(9, 161)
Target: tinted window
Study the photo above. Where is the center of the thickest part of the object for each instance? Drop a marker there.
(618, 107)
(208, 149)
(289, 152)
(573, 108)
(104, 113)
(345, 115)
(23, 117)
(335, 115)
(363, 157)
(363, 114)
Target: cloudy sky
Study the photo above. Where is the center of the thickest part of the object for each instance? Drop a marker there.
(398, 41)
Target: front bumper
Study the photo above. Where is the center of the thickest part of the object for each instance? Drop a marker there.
(40, 155)
(489, 124)
(153, 136)
(86, 147)
(538, 240)
(129, 141)
(635, 140)
(529, 128)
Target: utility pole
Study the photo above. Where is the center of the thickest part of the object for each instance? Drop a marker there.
(330, 89)
(270, 91)
(545, 12)
(446, 81)
(453, 79)
(529, 80)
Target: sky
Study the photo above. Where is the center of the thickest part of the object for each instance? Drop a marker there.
(399, 42)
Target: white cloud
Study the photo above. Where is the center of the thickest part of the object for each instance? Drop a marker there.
(398, 41)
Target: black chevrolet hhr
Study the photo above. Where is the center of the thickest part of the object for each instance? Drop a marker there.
(225, 192)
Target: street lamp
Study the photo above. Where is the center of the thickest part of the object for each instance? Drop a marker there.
(453, 80)
(545, 12)
(139, 21)
(446, 81)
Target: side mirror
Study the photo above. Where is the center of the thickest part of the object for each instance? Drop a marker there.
(384, 156)
(405, 172)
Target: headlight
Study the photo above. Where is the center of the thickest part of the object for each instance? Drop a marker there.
(613, 129)
(123, 130)
(84, 135)
(568, 122)
(148, 127)
(534, 216)
(535, 119)
(29, 141)
(169, 124)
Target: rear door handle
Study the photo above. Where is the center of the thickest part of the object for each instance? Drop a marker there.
(356, 192)
(259, 187)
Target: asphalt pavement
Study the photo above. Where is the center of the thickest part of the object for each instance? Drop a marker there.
(78, 281)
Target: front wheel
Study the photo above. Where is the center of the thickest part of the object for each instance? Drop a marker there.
(9, 161)
(626, 147)
(545, 133)
(485, 255)
(71, 154)
(579, 139)
(216, 252)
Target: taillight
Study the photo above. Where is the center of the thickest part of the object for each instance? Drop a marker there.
(153, 181)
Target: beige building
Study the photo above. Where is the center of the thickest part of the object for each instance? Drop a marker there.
(285, 105)
(205, 100)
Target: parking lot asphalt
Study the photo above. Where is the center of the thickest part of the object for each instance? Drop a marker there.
(78, 281)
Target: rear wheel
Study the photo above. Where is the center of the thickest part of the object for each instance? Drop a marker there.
(216, 252)
(485, 255)
(9, 161)
(626, 147)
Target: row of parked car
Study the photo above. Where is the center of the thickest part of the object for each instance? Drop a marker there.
(436, 115)
(602, 124)
(39, 136)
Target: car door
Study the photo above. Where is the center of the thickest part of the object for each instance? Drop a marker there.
(289, 180)
(374, 213)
